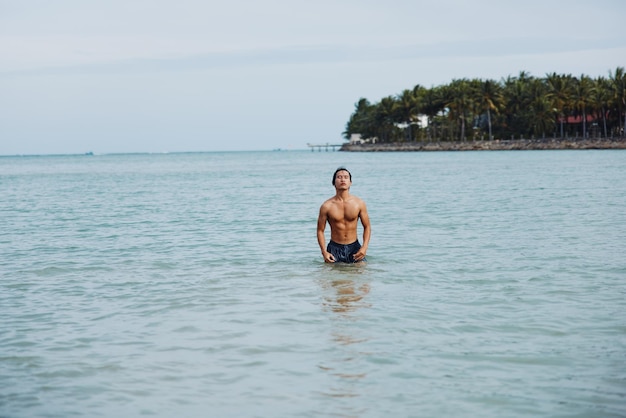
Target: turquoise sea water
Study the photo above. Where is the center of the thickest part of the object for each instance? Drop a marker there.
(192, 285)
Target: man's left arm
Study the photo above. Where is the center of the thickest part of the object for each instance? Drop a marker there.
(367, 232)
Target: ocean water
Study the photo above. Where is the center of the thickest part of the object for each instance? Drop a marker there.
(192, 285)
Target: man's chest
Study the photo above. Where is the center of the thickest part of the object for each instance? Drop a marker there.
(344, 212)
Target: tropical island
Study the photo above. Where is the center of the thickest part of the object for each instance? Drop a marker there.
(558, 111)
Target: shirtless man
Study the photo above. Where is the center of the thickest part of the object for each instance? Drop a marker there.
(342, 212)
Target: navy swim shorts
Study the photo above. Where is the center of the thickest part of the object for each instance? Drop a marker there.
(343, 253)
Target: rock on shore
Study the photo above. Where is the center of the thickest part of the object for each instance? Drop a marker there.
(493, 145)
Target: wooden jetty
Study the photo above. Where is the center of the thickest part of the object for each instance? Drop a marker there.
(325, 146)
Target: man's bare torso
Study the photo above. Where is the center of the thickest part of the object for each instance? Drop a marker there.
(343, 216)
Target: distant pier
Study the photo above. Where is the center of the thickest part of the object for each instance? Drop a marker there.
(325, 146)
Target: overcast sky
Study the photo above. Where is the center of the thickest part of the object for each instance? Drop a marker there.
(205, 75)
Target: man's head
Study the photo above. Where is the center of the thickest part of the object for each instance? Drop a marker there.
(341, 171)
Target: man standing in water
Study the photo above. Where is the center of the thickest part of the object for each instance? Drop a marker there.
(342, 213)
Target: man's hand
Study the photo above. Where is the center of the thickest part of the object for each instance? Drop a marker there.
(328, 257)
(359, 255)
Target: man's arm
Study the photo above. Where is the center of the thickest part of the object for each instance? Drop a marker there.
(321, 239)
(367, 232)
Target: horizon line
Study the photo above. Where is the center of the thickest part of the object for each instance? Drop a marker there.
(97, 154)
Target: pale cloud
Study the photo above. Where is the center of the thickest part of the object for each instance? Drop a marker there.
(71, 32)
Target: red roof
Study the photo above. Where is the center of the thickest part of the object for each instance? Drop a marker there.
(578, 119)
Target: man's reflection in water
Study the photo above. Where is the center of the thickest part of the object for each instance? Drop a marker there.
(345, 295)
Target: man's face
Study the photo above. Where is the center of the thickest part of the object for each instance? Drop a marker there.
(342, 180)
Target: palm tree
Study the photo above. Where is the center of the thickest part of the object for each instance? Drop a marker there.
(459, 102)
(618, 84)
(582, 89)
(383, 117)
(543, 116)
(418, 94)
(538, 109)
(432, 105)
(405, 111)
(559, 91)
(517, 94)
(600, 97)
(361, 120)
(489, 99)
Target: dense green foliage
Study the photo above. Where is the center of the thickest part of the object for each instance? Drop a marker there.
(556, 105)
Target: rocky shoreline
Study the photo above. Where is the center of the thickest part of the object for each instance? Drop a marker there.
(493, 145)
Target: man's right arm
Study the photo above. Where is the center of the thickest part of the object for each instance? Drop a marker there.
(321, 239)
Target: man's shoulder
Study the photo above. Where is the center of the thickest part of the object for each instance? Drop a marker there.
(357, 199)
(328, 202)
